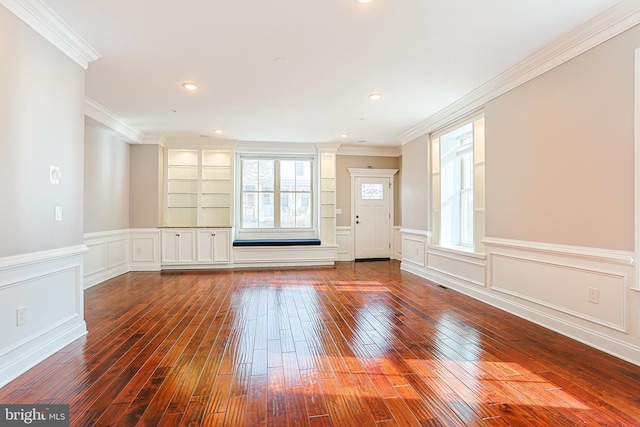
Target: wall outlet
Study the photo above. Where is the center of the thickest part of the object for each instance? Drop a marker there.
(21, 316)
(594, 295)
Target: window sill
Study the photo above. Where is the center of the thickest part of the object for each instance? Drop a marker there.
(458, 250)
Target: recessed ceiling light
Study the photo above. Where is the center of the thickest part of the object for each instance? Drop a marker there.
(217, 131)
(375, 97)
(364, 1)
(282, 60)
(344, 135)
(190, 86)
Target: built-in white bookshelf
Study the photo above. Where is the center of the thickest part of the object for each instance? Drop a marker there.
(199, 191)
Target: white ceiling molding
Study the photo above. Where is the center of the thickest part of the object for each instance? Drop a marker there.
(49, 25)
(328, 147)
(613, 21)
(364, 150)
(116, 125)
(259, 147)
(202, 143)
(154, 140)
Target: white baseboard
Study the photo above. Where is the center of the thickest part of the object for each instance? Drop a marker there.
(49, 287)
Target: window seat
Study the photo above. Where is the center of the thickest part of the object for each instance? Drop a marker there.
(276, 242)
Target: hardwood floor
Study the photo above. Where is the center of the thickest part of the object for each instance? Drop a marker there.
(361, 344)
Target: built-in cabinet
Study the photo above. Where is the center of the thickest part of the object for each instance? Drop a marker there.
(213, 245)
(196, 245)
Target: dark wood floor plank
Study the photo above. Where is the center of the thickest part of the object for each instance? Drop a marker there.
(361, 344)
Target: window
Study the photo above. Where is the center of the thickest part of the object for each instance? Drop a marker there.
(276, 194)
(458, 185)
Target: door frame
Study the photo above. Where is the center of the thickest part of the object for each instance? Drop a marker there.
(372, 173)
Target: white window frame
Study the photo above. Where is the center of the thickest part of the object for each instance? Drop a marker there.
(277, 232)
(448, 186)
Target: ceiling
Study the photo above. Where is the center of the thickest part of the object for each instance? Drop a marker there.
(302, 70)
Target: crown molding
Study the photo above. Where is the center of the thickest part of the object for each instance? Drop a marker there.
(615, 20)
(99, 115)
(369, 150)
(200, 143)
(50, 26)
(328, 147)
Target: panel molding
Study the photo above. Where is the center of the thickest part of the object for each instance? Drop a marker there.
(145, 249)
(344, 239)
(622, 278)
(108, 256)
(47, 330)
(548, 284)
(295, 256)
(578, 252)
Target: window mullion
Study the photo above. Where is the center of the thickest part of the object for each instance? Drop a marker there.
(276, 194)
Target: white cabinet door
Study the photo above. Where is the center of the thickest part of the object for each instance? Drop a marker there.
(186, 246)
(221, 244)
(178, 246)
(169, 246)
(213, 245)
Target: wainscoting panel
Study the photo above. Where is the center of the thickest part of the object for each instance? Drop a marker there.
(345, 243)
(276, 256)
(396, 243)
(145, 249)
(108, 255)
(466, 268)
(414, 247)
(48, 288)
(585, 293)
(564, 288)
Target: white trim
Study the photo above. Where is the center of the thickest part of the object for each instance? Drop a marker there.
(593, 254)
(636, 167)
(615, 20)
(368, 150)
(275, 148)
(368, 172)
(416, 232)
(45, 22)
(102, 117)
(30, 259)
(48, 328)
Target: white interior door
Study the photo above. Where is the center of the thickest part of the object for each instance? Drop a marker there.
(372, 217)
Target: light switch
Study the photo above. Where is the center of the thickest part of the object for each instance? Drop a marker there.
(58, 215)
